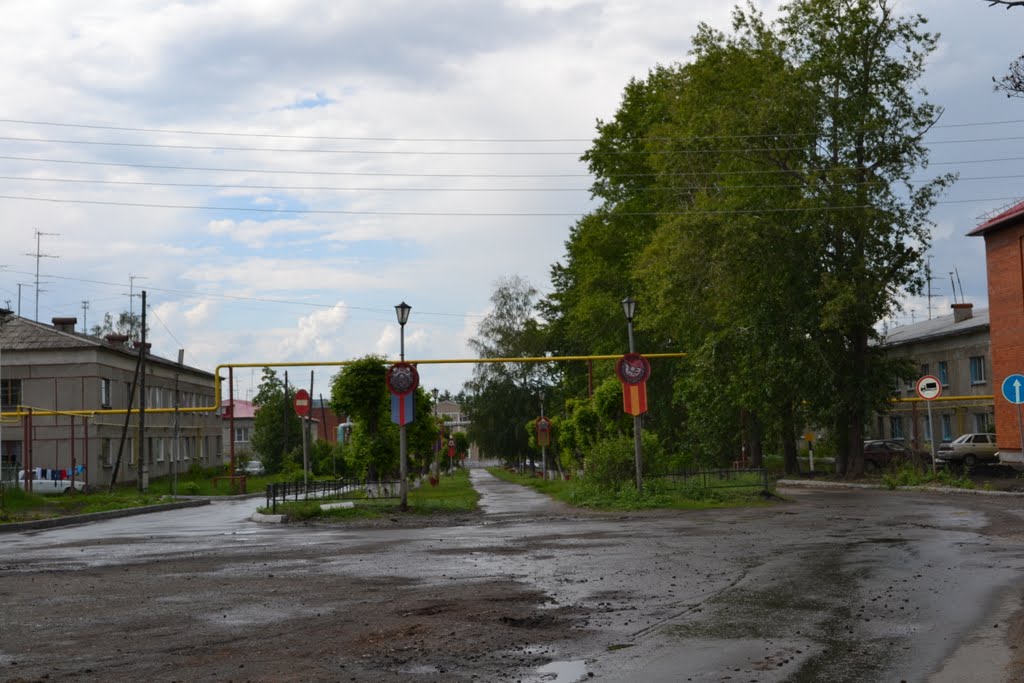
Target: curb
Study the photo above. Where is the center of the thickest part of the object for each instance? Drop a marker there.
(268, 519)
(70, 520)
(813, 484)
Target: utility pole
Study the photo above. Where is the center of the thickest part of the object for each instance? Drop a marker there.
(142, 470)
(85, 318)
(131, 299)
(40, 255)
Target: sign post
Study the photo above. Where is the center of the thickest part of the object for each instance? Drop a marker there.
(1013, 391)
(301, 403)
(929, 388)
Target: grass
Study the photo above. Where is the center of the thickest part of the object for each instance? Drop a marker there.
(452, 495)
(657, 493)
(908, 475)
(20, 506)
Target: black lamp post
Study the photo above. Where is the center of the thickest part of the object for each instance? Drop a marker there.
(437, 439)
(543, 448)
(629, 308)
(402, 311)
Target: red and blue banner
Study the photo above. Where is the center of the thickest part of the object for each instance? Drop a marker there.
(401, 408)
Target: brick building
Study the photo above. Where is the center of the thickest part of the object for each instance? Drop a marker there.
(1004, 258)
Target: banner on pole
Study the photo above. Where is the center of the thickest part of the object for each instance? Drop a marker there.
(633, 371)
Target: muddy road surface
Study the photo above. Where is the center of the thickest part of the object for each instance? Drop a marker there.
(832, 585)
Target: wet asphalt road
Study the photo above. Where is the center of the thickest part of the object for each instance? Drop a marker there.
(848, 585)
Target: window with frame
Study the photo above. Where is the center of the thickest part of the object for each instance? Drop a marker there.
(105, 393)
(981, 422)
(978, 370)
(10, 393)
(241, 434)
(944, 373)
(896, 426)
(947, 427)
(924, 369)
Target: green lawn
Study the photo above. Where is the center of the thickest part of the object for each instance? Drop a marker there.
(657, 493)
(20, 506)
(452, 495)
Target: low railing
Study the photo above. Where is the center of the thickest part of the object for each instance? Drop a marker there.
(754, 477)
(333, 489)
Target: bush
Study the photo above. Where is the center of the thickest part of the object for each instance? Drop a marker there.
(190, 488)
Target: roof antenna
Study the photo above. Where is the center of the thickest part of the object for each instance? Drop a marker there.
(953, 283)
(960, 284)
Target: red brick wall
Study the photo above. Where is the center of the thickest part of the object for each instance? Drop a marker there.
(1004, 250)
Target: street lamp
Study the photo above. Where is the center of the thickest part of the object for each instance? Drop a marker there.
(629, 308)
(543, 447)
(437, 439)
(402, 311)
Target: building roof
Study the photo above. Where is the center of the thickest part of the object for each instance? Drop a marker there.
(1009, 217)
(22, 334)
(936, 328)
(243, 409)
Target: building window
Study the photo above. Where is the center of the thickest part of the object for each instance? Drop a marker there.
(896, 426)
(981, 422)
(947, 427)
(977, 369)
(944, 373)
(241, 435)
(106, 453)
(10, 393)
(105, 393)
(924, 369)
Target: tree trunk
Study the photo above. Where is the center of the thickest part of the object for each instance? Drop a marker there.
(756, 452)
(790, 463)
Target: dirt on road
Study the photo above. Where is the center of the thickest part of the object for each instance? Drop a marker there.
(838, 586)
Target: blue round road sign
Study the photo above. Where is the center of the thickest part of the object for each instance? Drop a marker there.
(1013, 388)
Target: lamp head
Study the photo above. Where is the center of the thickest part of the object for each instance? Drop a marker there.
(402, 311)
(629, 308)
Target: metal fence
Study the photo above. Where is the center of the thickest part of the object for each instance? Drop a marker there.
(335, 489)
(733, 478)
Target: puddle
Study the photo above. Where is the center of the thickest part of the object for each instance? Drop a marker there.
(563, 672)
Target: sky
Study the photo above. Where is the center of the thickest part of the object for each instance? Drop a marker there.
(279, 174)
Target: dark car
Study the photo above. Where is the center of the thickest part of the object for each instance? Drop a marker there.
(881, 453)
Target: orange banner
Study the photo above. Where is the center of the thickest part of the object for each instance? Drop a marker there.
(634, 398)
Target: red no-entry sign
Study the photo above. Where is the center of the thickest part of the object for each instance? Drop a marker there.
(302, 402)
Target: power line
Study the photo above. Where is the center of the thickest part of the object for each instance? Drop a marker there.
(166, 167)
(314, 188)
(497, 153)
(286, 136)
(470, 214)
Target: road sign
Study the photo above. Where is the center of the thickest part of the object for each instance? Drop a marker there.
(302, 403)
(633, 371)
(1013, 389)
(929, 387)
(543, 431)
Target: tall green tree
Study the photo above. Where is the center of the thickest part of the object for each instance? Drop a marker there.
(276, 427)
(126, 323)
(502, 396)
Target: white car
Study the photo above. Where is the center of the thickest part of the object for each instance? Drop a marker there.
(49, 487)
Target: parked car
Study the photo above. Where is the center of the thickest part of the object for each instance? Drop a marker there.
(252, 468)
(969, 450)
(49, 486)
(880, 453)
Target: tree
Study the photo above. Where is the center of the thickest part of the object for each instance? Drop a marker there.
(359, 390)
(127, 324)
(504, 395)
(276, 427)
(1013, 82)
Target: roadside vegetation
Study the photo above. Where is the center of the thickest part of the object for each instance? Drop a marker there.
(453, 495)
(17, 505)
(658, 493)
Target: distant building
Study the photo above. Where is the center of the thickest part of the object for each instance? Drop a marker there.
(1004, 259)
(242, 416)
(52, 368)
(955, 349)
